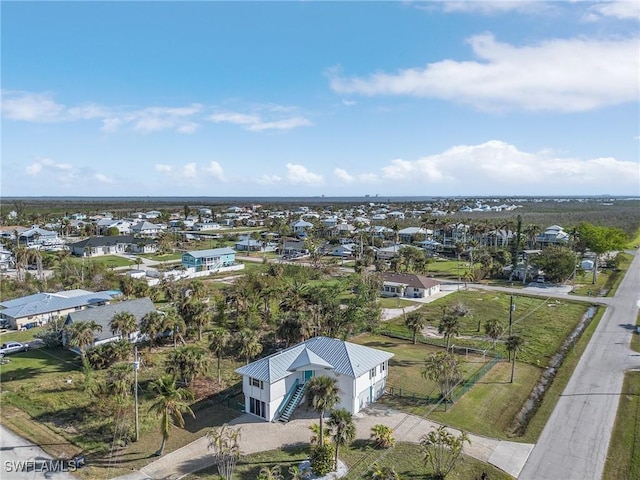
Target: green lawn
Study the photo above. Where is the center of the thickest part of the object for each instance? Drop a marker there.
(635, 337)
(406, 458)
(623, 459)
(607, 281)
(405, 370)
(19, 335)
(48, 386)
(162, 257)
(544, 324)
(108, 260)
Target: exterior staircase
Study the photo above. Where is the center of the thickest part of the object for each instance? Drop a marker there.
(291, 405)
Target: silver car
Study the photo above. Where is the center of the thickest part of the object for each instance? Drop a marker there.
(13, 347)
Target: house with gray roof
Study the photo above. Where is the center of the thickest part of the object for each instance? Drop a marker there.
(274, 386)
(40, 308)
(103, 315)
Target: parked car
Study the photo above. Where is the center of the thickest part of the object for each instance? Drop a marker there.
(13, 347)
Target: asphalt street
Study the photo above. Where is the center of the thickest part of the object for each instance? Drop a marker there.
(22, 460)
(574, 443)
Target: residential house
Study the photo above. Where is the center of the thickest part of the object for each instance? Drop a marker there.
(273, 386)
(301, 226)
(409, 234)
(248, 244)
(103, 315)
(123, 226)
(37, 236)
(40, 308)
(208, 260)
(388, 253)
(408, 285)
(96, 246)
(553, 235)
(343, 250)
(146, 229)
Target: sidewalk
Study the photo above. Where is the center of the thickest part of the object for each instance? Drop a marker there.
(258, 435)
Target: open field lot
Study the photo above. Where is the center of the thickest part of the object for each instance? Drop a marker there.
(49, 400)
(543, 323)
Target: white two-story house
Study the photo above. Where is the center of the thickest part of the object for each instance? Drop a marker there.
(273, 386)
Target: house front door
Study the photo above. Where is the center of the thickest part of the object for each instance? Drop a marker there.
(307, 375)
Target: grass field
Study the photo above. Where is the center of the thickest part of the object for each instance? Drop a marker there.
(543, 323)
(111, 261)
(395, 302)
(44, 396)
(635, 338)
(406, 458)
(623, 459)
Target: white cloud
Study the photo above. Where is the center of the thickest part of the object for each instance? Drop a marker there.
(284, 124)
(346, 177)
(255, 122)
(164, 168)
(189, 170)
(620, 9)
(299, 174)
(52, 171)
(496, 166)
(103, 178)
(31, 107)
(215, 170)
(564, 75)
(235, 118)
(268, 179)
(490, 7)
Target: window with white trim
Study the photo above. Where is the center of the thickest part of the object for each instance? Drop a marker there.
(254, 382)
(372, 373)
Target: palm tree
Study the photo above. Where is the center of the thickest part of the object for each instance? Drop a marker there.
(218, 340)
(151, 325)
(343, 430)
(187, 363)
(382, 436)
(494, 330)
(449, 325)
(322, 394)
(170, 403)
(82, 334)
(513, 344)
(124, 324)
(249, 342)
(119, 380)
(271, 473)
(173, 321)
(442, 368)
(379, 472)
(415, 322)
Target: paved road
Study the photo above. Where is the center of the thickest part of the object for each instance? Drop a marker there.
(22, 460)
(574, 443)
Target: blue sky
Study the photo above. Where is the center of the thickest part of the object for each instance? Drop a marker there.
(320, 98)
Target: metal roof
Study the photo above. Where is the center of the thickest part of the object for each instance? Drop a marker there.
(345, 358)
(211, 253)
(41, 303)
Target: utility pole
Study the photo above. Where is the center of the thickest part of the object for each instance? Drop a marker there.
(512, 307)
(136, 365)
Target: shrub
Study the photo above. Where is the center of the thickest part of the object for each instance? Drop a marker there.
(321, 459)
(382, 436)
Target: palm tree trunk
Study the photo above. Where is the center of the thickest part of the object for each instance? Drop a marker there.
(164, 443)
(219, 378)
(335, 463)
(322, 428)
(513, 367)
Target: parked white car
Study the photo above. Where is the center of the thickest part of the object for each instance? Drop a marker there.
(13, 347)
